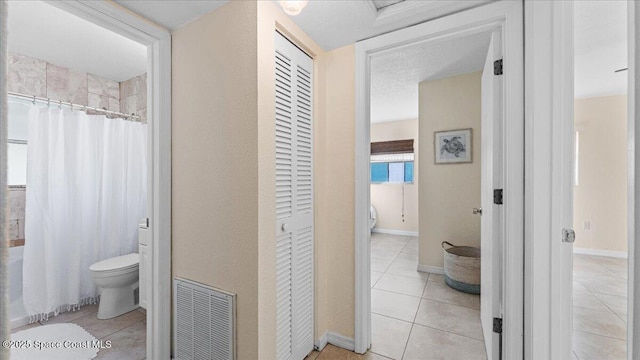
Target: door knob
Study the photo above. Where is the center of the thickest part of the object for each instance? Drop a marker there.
(477, 211)
(285, 227)
(568, 236)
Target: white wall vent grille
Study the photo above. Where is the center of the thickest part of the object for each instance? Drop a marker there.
(204, 322)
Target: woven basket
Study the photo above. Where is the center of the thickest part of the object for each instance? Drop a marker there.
(462, 267)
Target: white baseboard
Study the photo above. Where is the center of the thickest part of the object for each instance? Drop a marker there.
(596, 252)
(431, 269)
(394, 232)
(341, 341)
(321, 342)
(334, 339)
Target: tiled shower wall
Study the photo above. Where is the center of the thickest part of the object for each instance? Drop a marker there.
(31, 76)
(133, 96)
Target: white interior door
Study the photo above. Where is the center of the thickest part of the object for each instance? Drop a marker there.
(492, 280)
(294, 200)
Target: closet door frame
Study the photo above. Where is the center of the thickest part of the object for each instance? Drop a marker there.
(302, 214)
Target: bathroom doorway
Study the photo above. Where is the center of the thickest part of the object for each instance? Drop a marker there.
(155, 43)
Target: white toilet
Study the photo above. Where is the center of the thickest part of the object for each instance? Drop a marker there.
(117, 280)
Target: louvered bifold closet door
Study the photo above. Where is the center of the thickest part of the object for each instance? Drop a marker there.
(294, 200)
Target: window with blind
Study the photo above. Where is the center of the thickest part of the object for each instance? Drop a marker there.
(18, 113)
(392, 161)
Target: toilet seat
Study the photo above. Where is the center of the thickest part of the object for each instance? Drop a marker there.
(117, 263)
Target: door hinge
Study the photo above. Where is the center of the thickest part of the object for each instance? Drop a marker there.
(497, 67)
(568, 236)
(497, 328)
(497, 325)
(497, 196)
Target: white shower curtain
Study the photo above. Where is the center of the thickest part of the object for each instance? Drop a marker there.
(86, 192)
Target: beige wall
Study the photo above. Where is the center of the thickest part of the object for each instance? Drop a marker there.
(224, 163)
(334, 183)
(448, 192)
(387, 198)
(215, 159)
(601, 195)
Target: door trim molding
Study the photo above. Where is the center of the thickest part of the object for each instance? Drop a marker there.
(114, 17)
(633, 189)
(549, 185)
(506, 15)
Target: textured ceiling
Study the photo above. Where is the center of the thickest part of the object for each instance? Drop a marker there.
(395, 76)
(37, 29)
(171, 13)
(42, 31)
(600, 48)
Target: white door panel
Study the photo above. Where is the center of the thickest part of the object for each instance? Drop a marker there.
(294, 200)
(492, 264)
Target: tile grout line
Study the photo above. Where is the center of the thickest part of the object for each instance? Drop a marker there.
(450, 332)
(450, 303)
(416, 314)
(391, 317)
(94, 314)
(604, 336)
(599, 267)
(397, 293)
(384, 356)
(392, 261)
(413, 323)
(388, 266)
(407, 343)
(117, 331)
(123, 329)
(625, 319)
(422, 299)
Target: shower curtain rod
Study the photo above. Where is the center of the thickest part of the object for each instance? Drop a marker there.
(60, 103)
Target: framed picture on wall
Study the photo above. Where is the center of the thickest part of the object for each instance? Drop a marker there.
(453, 146)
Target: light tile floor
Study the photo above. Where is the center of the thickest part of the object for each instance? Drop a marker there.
(414, 315)
(417, 316)
(127, 332)
(599, 307)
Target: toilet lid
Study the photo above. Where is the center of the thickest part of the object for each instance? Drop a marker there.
(115, 263)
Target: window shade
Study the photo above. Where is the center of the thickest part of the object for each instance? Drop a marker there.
(392, 147)
(389, 158)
